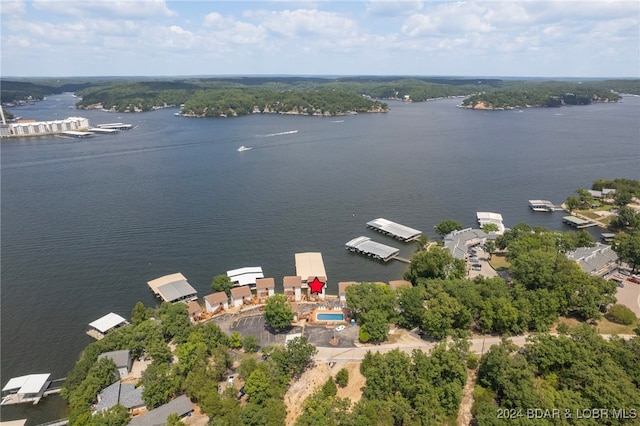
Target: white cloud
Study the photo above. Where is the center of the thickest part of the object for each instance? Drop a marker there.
(133, 9)
(12, 7)
(389, 9)
(309, 22)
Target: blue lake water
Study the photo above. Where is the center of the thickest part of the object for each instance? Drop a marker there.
(86, 223)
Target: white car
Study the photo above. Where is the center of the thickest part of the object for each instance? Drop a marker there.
(340, 328)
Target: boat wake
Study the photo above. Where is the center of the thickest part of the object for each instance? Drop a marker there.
(244, 148)
(270, 135)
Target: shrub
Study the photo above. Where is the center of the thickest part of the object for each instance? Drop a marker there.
(364, 335)
(342, 378)
(621, 314)
(472, 362)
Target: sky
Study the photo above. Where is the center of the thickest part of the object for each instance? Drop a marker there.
(508, 38)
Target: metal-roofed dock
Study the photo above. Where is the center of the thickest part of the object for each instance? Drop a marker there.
(364, 245)
(395, 230)
(577, 222)
(245, 276)
(173, 288)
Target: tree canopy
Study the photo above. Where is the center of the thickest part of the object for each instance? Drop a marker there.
(277, 312)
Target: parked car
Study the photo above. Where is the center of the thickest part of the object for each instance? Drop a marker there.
(634, 280)
(624, 272)
(230, 381)
(340, 328)
(241, 392)
(473, 258)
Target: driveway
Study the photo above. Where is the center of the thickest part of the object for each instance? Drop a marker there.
(485, 268)
(629, 296)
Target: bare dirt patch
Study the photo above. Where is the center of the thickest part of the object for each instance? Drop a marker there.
(353, 390)
(310, 381)
(464, 414)
(197, 417)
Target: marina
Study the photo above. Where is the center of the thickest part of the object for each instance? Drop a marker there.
(173, 288)
(365, 246)
(395, 230)
(245, 276)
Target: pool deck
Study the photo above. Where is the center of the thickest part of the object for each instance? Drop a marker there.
(315, 321)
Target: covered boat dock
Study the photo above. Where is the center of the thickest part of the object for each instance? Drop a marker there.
(100, 327)
(364, 245)
(173, 288)
(395, 230)
(577, 222)
(29, 388)
(245, 276)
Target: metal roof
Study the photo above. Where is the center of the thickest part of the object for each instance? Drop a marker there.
(158, 416)
(159, 282)
(364, 244)
(310, 264)
(107, 322)
(245, 276)
(31, 383)
(396, 229)
(593, 259)
(457, 242)
(176, 290)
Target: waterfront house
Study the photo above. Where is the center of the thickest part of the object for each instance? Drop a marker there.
(310, 267)
(173, 288)
(240, 295)
(158, 416)
(100, 327)
(458, 242)
(342, 290)
(292, 288)
(265, 288)
(598, 260)
(125, 394)
(122, 359)
(216, 301)
(194, 310)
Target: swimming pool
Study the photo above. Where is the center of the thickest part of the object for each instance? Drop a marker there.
(329, 317)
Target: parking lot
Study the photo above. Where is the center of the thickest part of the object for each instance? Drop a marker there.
(629, 295)
(255, 325)
(485, 268)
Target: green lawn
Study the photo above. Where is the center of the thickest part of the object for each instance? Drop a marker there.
(499, 262)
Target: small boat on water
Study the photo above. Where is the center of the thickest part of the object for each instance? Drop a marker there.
(244, 148)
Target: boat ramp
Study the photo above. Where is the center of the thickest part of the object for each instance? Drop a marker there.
(395, 230)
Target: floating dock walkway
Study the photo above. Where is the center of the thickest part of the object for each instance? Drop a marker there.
(364, 245)
(395, 230)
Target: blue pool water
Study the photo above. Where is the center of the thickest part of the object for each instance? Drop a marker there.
(329, 317)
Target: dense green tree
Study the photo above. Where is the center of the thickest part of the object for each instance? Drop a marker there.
(411, 304)
(489, 228)
(222, 283)
(250, 344)
(447, 226)
(140, 313)
(257, 386)
(444, 316)
(376, 324)
(490, 248)
(277, 312)
(235, 340)
(437, 262)
(367, 297)
(160, 384)
(174, 320)
(627, 246)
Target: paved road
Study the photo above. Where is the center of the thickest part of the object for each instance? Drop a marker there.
(478, 346)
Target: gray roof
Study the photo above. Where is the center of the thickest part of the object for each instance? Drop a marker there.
(120, 358)
(458, 241)
(176, 290)
(364, 244)
(125, 394)
(593, 259)
(395, 229)
(158, 416)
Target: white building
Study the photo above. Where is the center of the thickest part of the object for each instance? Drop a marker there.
(35, 128)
